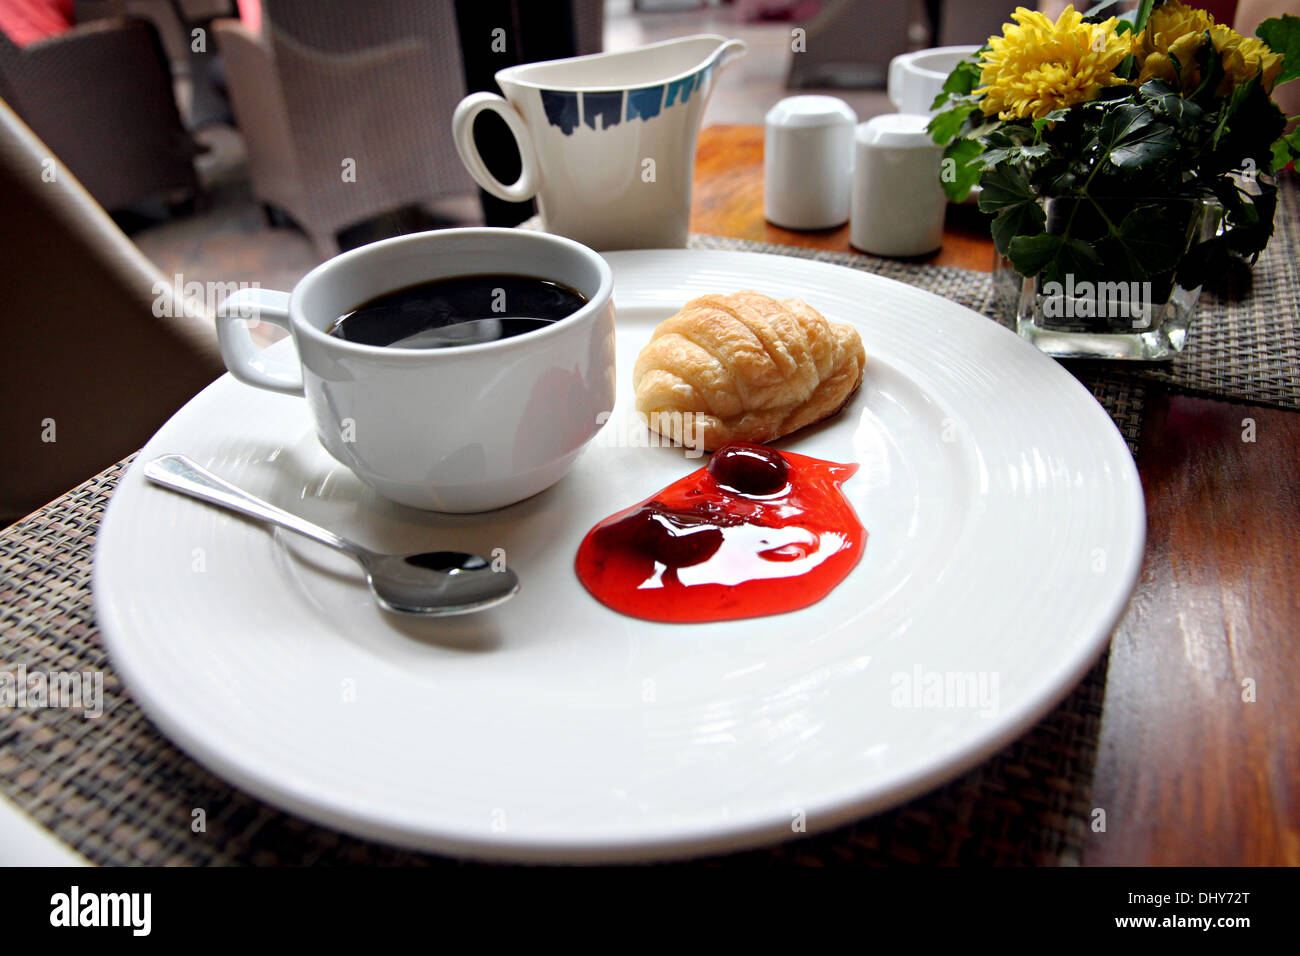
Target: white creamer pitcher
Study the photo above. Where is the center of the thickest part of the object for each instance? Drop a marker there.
(607, 141)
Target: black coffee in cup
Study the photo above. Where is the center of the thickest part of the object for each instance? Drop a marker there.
(463, 310)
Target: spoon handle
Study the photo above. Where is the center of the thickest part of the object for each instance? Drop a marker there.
(188, 477)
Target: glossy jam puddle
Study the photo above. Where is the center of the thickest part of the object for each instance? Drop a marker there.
(755, 532)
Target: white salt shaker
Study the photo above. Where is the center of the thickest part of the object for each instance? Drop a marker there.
(807, 162)
(898, 202)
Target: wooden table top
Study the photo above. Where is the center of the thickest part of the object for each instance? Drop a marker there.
(1189, 770)
(728, 201)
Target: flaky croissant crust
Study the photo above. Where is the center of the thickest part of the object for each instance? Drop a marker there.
(745, 367)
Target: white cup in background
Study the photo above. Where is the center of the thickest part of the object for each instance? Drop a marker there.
(915, 79)
(807, 162)
(898, 202)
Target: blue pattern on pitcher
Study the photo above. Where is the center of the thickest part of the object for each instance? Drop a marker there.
(606, 105)
(684, 86)
(561, 108)
(645, 103)
(703, 76)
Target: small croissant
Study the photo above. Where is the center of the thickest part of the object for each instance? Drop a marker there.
(745, 367)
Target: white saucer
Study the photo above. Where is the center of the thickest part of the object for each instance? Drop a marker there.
(1006, 530)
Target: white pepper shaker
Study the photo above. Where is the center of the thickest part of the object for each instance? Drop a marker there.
(898, 202)
(807, 162)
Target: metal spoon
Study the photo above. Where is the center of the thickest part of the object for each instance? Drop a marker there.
(434, 583)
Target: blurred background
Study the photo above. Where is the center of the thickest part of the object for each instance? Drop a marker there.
(218, 136)
(209, 129)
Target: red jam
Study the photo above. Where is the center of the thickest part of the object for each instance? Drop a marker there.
(756, 532)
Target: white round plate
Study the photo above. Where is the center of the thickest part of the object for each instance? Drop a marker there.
(1006, 531)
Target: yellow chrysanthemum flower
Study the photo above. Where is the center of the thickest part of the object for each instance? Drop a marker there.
(1243, 57)
(1040, 65)
(1176, 31)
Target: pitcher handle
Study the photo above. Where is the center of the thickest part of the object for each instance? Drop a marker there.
(462, 131)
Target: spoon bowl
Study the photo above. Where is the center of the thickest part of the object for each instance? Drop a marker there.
(440, 583)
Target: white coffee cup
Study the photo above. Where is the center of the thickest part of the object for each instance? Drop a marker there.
(460, 429)
(915, 79)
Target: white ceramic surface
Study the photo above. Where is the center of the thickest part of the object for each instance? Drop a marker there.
(1006, 530)
(24, 842)
(807, 162)
(916, 78)
(607, 140)
(898, 201)
(457, 429)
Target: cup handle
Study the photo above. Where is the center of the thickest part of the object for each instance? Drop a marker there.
(244, 359)
(462, 132)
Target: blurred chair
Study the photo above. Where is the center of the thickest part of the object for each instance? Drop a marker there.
(195, 74)
(346, 108)
(588, 26)
(173, 19)
(100, 97)
(97, 352)
(849, 44)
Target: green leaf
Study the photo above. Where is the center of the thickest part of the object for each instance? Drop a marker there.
(959, 171)
(1251, 240)
(948, 124)
(1142, 16)
(1055, 116)
(1014, 155)
(1282, 154)
(1210, 64)
(1020, 219)
(1154, 237)
(1076, 258)
(1131, 138)
(1249, 222)
(1240, 93)
(1052, 255)
(1282, 34)
(1029, 255)
(1059, 177)
(1211, 257)
(1004, 186)
(1006, 191)
(1286, 149)
(1120, 91)
(963, 79)
(1168, 103)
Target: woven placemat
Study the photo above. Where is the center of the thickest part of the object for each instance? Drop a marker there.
(117, 791)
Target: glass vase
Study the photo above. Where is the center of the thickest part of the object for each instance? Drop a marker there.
(1104, 314)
